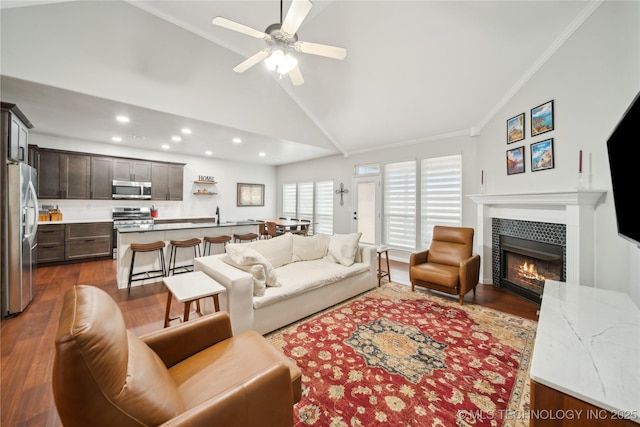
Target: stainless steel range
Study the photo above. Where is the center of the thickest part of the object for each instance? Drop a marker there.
(128, 216)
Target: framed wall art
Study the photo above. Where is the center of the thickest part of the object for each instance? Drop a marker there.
(542, 118)
(515, 129)
(542, 155)
(515, 160)
(250, 194)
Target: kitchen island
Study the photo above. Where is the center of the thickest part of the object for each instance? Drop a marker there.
(148, 233)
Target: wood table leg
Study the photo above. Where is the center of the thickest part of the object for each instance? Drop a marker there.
(187, 308)
(168, 309)
(386, 254)
(379, 266)
(216, 302)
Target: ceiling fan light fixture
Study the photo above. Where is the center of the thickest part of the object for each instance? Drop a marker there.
(280, 61)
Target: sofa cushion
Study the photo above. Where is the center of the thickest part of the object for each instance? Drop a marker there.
(277, 250)
(310, 248)
(300, 277)
(243, 257)
(343, 248)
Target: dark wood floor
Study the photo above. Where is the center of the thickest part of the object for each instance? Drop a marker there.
(26, 341)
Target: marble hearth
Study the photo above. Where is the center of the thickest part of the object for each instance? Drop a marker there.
(573, 209)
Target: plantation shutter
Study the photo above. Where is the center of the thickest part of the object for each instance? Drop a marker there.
(399, 224)
(289, 195)
(305, 201)
(441, 195)
(324, 208)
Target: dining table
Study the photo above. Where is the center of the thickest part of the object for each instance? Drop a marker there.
(286, 224)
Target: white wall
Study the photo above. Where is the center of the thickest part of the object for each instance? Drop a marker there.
(226, 173)
(592, 79)
(341, 170)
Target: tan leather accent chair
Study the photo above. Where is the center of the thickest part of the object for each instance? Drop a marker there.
(192, 374)
(449, 264)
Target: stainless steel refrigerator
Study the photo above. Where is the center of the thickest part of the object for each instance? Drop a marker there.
(22, 237)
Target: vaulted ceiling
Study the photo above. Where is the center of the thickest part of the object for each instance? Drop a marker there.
(414, 71)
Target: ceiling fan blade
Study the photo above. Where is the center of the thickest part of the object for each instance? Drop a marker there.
(298, 10)
(296, 76)
(234, 26)
(321, 49)
(251, 61)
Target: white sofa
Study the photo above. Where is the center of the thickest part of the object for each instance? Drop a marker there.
(311, 274)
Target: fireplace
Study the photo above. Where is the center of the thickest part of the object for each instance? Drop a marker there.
(564, 218)
(526, 264)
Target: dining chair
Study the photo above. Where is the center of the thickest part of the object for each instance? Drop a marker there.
(272, 230)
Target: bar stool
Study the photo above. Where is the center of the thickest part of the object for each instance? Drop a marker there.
(174, 245)
(150, 274)
(208, 241)
(248, 237)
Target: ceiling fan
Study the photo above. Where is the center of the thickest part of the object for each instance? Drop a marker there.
(281, 39)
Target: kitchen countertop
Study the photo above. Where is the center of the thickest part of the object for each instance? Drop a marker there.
(588, 346)
(74, 221)
(142, 228)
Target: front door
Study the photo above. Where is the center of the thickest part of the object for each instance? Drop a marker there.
(367, 209)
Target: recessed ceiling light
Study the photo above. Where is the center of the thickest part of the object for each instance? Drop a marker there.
(208, 153)
(122, 119)
(116, 139)
(237, 140)
(139, 137)
(166, 146)
(176, 138)
(186, 131)
(262, 154)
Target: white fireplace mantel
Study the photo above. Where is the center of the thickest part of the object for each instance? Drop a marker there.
(574, 208)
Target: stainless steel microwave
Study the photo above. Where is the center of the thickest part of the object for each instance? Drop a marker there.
(131, 190)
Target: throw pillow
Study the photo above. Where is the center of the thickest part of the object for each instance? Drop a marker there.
(343, 248)
(259, 280)
(310, 248)
(243, 257)
(277, 250)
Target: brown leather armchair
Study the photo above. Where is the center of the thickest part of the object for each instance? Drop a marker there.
(194, 374)
(449, 264)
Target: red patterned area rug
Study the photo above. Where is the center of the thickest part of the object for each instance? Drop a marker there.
(392, 357)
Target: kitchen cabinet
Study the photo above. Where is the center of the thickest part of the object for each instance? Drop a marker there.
(101, 178)
(88, 240)
(131, 170)
(167, 181)
(15, 132)
(50, 243)
(63, 175)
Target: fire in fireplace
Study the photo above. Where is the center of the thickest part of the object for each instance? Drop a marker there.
(526, 265)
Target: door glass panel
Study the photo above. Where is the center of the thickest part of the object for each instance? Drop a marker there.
(366, 211)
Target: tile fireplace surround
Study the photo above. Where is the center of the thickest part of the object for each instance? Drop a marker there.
(575, 209)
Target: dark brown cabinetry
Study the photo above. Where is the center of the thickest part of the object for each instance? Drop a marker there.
(63, 175)
(131, 170)
(72, 175)
(167, 181)
(50, 243)
(15, 132)
(88, 240)
(101, 178)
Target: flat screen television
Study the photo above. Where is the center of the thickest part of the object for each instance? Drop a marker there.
(623, 147)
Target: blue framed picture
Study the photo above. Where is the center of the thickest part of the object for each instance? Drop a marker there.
(542, 155)
(542, 118)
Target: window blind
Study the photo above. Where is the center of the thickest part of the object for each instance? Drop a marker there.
(399, 213)
(441, 195)
(289, 195)
(324, 208)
